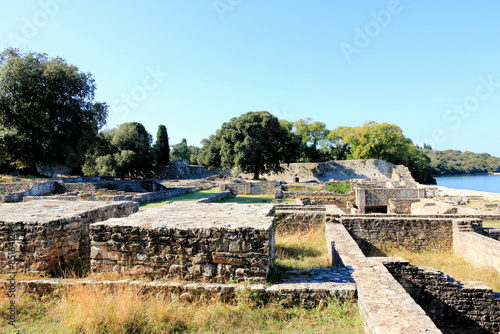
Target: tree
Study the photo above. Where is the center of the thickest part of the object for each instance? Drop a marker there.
(254, 143)
(123, 152)
(386, 142)
(47, 110)
(162, 147)
(180, 151)
(313, 136)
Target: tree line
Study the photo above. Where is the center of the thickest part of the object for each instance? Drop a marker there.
(48, 114)
(450, 162)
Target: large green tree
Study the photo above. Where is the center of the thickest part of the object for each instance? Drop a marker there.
(47, 110)
(180, 151)
(386, 142)
(254, 143)
(125, 152)
(161, 146)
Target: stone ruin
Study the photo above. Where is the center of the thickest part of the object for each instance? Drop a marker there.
(200, 242)
(211, 244)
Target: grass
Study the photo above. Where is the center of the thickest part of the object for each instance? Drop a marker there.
(182, 198)
(126, 310)
(491, 223)
(305, 188)
(451, 264)
(257, 199)
(343, 187)
(306, 250)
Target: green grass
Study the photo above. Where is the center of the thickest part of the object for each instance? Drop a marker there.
(343, 187)
(491, 223)
(257, 199)
(182, 198)
(128, 310)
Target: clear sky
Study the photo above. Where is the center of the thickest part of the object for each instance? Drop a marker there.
(431, 67)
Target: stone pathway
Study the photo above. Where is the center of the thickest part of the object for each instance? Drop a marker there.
(318, 275)
(385, 305)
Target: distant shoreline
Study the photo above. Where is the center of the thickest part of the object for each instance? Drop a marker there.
(467, 174)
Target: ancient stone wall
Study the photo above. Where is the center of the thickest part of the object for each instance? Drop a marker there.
(384, 304)
(196, 242)
(14, 192)
(294, 221)
(377, 197)
(414, 233)
(475, 248)
(47, 233)
(341, 170)
(251, 188)
(455, 307)
(305, 294)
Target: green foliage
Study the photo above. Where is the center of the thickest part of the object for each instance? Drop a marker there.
(47, 110)
(343, 187)
(455, 162)
(122, 152)
(161, 146)
(180, 151)
(254, 143)
(386, 142)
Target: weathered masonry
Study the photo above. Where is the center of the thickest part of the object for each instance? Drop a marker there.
(196, 242)
(47, 233)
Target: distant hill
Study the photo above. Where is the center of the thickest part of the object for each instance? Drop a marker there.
(450, 162)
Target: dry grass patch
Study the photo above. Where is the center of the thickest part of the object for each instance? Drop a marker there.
(451, 264)
(127, 310)
(491, 223)
(303, 250)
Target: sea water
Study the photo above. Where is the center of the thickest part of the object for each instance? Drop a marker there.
(479, 182)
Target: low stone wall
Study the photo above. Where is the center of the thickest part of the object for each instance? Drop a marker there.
(384, 304)
(413, 233)
(251, 188)
(196, 242)
(293, 221)
(78, 186)
(14, 192)
(45, 234)
(215, 198)
(455, 307)
(475, 248)
(304, 294)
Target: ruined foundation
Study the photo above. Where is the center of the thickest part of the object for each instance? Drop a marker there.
(47, 234)
(200, 242)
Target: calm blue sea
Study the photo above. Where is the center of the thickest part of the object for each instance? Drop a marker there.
(482, 182)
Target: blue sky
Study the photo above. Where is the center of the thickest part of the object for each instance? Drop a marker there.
(433, 68)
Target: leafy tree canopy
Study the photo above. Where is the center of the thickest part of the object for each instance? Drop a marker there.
(47, 110)
(456, 162)
(386, 142)
(122, 152)
(180, 151)
(254, 143)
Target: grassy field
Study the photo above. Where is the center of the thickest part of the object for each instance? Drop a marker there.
(182, 198)
(491, 223)
(450, 263)
(241, 199)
